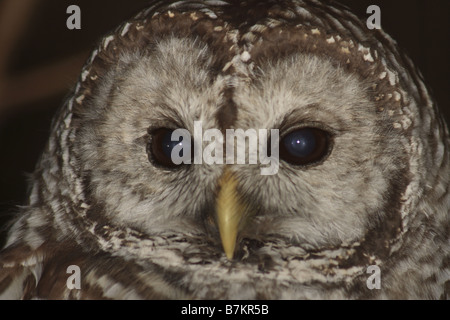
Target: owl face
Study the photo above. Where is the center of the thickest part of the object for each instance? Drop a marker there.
(313, 201)
(359, 150)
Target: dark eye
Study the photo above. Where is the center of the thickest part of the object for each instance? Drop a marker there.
(161, 147)
(304, 146)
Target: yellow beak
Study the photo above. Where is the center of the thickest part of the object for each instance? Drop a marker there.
(231, 212)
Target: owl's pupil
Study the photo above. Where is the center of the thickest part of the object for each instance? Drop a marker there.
(300, 143)
(167, 144)
(161, 147)
(304, 146)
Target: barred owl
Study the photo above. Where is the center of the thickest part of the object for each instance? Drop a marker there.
(362, 158)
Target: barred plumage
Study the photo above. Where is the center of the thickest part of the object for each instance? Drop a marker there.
(378, 196)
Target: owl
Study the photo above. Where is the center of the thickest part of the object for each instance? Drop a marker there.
(356, 206)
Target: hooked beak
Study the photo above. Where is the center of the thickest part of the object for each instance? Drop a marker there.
(231, 211)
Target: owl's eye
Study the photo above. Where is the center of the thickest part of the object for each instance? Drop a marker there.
(161, 147)
(304, 146)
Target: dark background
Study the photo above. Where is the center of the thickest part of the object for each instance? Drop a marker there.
(40, 60)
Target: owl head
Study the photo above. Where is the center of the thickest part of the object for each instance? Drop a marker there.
(360, 151)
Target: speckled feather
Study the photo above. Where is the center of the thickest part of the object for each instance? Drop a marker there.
(138, 232)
